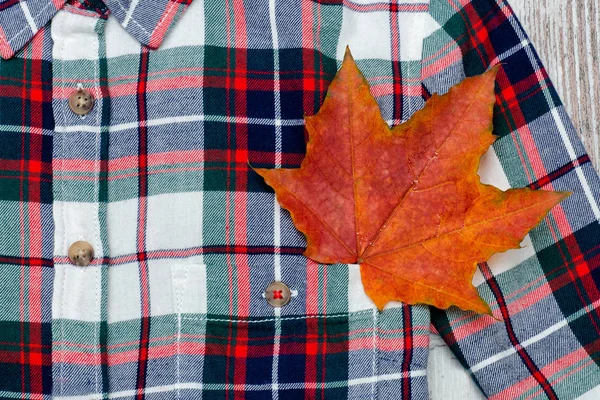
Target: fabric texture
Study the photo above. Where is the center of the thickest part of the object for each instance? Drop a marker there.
(148, 21)
(187, 237)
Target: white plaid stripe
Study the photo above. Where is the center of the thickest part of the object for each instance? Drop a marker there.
(78, 292)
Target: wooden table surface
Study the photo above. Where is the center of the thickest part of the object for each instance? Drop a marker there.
(565, 35)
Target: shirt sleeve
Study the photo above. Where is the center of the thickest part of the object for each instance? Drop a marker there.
(547, 343)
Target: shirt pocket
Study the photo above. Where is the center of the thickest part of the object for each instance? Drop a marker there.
(349, 351)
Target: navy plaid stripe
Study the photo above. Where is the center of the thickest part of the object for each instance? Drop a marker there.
(559, 172)
(529, 363)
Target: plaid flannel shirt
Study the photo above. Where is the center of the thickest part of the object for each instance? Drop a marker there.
(186, 236)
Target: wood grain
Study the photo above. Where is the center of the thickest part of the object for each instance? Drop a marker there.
(565, 35)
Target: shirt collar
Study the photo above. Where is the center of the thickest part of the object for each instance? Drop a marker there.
(146, 20)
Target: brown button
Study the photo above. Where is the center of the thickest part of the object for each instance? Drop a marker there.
(81, 253)
(81, 102)
(278, 294)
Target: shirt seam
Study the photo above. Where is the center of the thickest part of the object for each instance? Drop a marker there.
(164, 17)
(97, 167)
(295, 318)
(8, 41)
(64, 217)
(133, 19)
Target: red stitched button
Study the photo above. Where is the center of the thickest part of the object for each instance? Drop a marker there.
(278, 294)
(81, 102)
(81, 253)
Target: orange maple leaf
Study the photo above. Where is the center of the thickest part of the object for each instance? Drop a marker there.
(406, 203)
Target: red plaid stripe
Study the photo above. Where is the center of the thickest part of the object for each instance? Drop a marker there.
(25, 180)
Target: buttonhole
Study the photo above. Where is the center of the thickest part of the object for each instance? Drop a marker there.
(293, 293)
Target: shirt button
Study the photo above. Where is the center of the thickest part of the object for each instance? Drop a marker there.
(278, 294)
(81, 102)
(81, 253)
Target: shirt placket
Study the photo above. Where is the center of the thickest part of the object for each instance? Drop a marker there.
(80, 107)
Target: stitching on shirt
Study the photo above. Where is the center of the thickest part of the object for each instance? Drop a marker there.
(62, 188)
(79, 11)
(19, 33)
(180, 291)
(62, 330)
(375, 369)
(160, 22)
(178, 357)
(178, 297)
(133, 19)
(97, 167)
(298, 318)
(164, 17)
